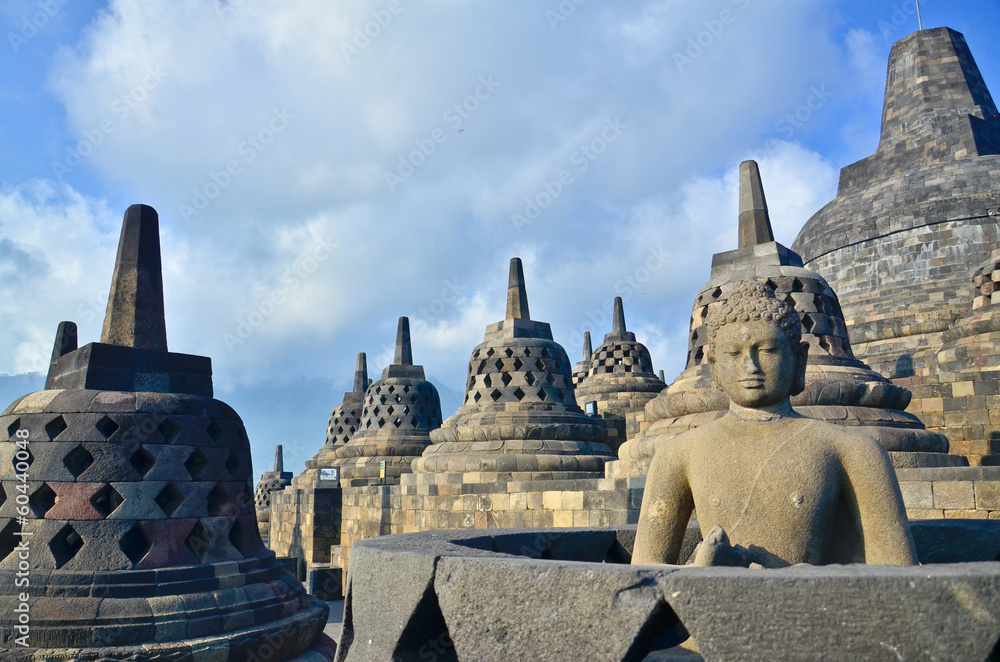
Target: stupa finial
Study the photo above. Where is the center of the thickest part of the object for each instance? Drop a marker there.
(517, 295)
(279, 459)
(361, 374)
(755, 224)
(618, 323)
(135, 305)
(404, 352)
(588, 350)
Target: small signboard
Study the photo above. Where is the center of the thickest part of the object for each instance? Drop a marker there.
(329, 473)
(381, 469)
(590, 408)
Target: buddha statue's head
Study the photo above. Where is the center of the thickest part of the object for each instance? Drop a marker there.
(755, 347)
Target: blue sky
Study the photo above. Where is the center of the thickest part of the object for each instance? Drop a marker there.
(315, 182)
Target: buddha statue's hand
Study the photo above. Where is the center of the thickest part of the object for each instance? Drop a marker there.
(717, 550)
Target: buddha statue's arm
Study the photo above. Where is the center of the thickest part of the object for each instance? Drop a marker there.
(666, 508)
(870, 479)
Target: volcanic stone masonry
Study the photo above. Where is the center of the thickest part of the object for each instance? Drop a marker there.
(620, 379)
(143, 538)
(911, 222)
(270, 481)
(839, 388)
(581, 369)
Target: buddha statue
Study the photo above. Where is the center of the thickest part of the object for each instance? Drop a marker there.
(771, 487)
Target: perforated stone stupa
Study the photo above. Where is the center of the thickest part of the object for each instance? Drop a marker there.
(345, 421)
(270, 481)
(143, 538)
(620, 378)
(519, 415)
(839, 388)
(911, 222)
(581, 369)
(400, 411)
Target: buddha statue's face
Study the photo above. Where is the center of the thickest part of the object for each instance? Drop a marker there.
(755, 363)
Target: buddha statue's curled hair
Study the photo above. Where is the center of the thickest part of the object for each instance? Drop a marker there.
(754, 301)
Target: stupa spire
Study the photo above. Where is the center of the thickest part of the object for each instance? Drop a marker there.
(588, 351)
(404, 352)
(755, 224)
(618, 324)
(135, 316)
(279, 459)
(517, 295)
(361, 374)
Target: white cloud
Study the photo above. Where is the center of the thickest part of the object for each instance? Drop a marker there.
(225, 84)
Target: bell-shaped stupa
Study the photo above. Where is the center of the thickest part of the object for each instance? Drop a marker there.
(141, 527)
(911, 221)
(519, 418)
(581, 369)
(270, 481)
(344, 423)
(839, 388)
(400, 411)
(620, 379)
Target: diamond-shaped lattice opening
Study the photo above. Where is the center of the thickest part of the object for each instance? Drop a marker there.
(490, 352)
(506, 378)
(196, 463)
(495, 395)
(383, 399)
(509, 352)
(518, 393)
(169, 499)
(478, 396)
(169, 429)
(13, 428)
(406, 388)
(237, 536)
(381, 422)
(233, 463)
(694, 336)
(562, 395)
(197, 541)
(65, 545)
(498, 364)
(487, 381)
(770, 283)
(397, 422)
(545, 353)
(807, 322)
(22, 460)
(406, 410)
(541, 394)
(42, 501)
(107, 426)
(247, 497)
(797, 285)
(540, 364)
(399, 399)
(135, 544)
(414, 423)
(216, 500)
(142, 461)
(78, 460)
(527, 351)
(530, 378)
(9, 539)
(699, 354)
(518, 363)
(389, 410)
(54, 427)
(214, 431)
(3, 496)
(106, 500)
(716, 293)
